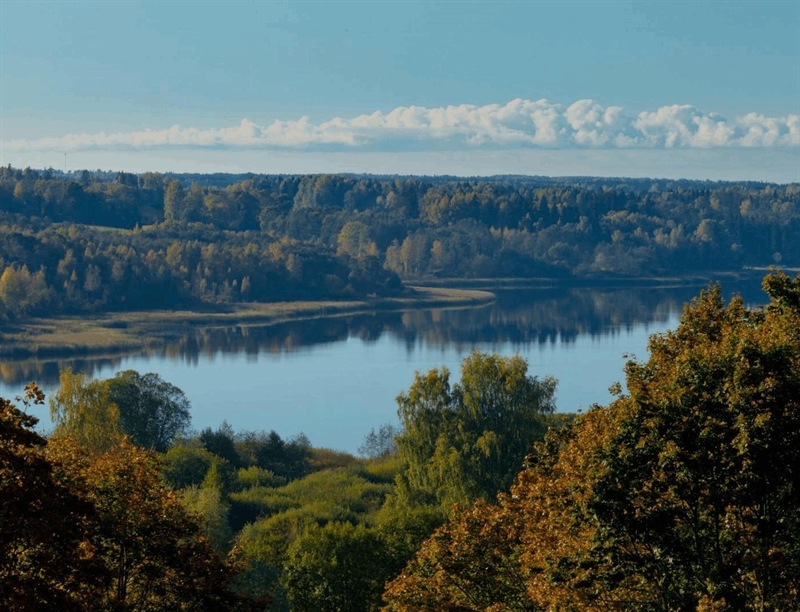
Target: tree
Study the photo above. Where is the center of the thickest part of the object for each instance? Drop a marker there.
(380, 443)
(520, 552)
(81, 409)
(98, 413)
(335, 568)
(220, 442)
(154, 550)
(286, 458)
(184, 465)
(151, 411)
(702, 470)
(207, 504)
(472, 563)
(22, 292)
(470, 442)
(47, 545)
(354, 241)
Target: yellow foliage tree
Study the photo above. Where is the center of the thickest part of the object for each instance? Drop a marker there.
(81, 410)
(22, 292)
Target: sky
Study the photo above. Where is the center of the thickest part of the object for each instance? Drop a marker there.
(671, 89)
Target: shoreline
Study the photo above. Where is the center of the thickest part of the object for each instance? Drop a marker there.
(114, 333)
(122, 332)
(611, 282)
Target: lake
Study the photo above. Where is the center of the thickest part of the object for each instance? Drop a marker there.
(334, 379)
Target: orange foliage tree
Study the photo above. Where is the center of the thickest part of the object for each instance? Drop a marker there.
(155, 552)
(48, 547)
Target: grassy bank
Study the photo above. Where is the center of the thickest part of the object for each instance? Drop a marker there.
(127, 331)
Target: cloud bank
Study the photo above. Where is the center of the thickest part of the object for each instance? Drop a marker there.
(520, 123)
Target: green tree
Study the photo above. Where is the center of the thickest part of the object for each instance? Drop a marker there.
(151, 411)
(470, 442)
(220, 442)
(173, 201)
(81, 409)
(335, 568)
(185, 465)
(209, 506)
(378, 444)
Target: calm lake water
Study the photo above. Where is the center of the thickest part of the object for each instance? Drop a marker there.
(335, 379)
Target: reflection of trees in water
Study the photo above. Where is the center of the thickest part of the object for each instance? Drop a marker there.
(519, 317)
(17, 373)
(205, 343)
(525, 318)
(528, 317)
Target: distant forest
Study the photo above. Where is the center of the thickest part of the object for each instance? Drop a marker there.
(96, 241)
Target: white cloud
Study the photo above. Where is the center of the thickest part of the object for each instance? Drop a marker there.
(520, 123)
(595, 126)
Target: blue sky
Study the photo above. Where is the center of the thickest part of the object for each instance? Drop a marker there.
(675, 89)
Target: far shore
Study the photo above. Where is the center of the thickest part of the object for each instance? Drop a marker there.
(686, 280)
(119, 332)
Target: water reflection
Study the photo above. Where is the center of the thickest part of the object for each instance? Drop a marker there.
(520, 318)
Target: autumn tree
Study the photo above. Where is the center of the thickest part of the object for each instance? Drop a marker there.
(354, 241)
(471, 563)
(82, 410)
(22, 292)
(48, 547)
(702, 471)
(155, 552)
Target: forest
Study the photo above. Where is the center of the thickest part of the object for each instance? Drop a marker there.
(678, 495)
(98, 241)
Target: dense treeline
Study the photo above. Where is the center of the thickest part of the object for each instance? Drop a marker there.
(75, 268)
(71, 247)
(88, 241)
